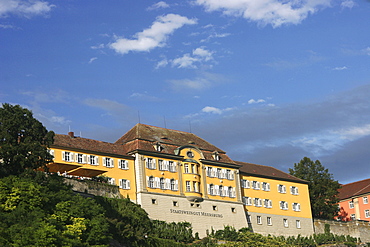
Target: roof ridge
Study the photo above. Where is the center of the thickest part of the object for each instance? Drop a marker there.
(152, 126)
(87, 139)
(356, 182)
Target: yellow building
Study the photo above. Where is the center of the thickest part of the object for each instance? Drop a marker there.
(177, 176)
(275, 202)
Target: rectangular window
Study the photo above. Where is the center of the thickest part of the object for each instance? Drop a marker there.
(108, 162)
(67, 156)
(94, 160)
(285, 223)
(247, 201)
(365, 200)
(209, 171)
(353, 217)
(257, 202)
(268, 203)
(294, 190)
(79, 158)
(296, 207)
(245, 184)
(188, 187)
(123, 164)
(269, 221)
(298, 224)
(172, 166)
(281, 188)
(124, 184)
(259, 220)
(186, 168)
(229, 174)
(150, 163)
(161, 165)
(283, 205)
(367, 213)
(265, 186)
(351, 205)
(154, 201)
(233, 210)
(219, 173)
(214, 208)
(175, 203)
(255, 185)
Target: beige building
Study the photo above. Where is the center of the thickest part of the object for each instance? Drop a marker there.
(177, 176)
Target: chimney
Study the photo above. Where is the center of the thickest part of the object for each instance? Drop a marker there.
(71, 134)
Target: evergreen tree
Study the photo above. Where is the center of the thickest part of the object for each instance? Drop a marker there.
(23, 141)
(322, 187)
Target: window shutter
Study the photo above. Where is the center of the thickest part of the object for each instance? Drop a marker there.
(248, 184)
(146, 163)
(208, 189)
(216, 189)
(154, 164)
(72, 157)
(111, 162)
(296, 191)
(268, 186)
(158, 182)
(284, 189)
(63, 155)
(147, 181)
(176, 185)
(84, 160)
(168, 184)
(166, 164)
(234, 193)
(104, 164)
(96, 160)
(128, 185)
(88, 159)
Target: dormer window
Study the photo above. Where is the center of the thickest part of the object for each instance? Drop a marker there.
(158, 147)
(190, 154)
(216, 155)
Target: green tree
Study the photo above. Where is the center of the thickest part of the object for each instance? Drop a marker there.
(322, 187)
(23, 141)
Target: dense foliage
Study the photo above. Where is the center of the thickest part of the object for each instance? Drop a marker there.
(322, 187)
(23, 141)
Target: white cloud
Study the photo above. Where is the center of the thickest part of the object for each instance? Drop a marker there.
(199, 55)
(7, 26)
(348, 4)
(186, 61)
(253, 101)
(367, 51)
(162, 63)
(205, 80)
(273, 12)
(210, 109)
(340, 68)
(159, 5)
(95, 47)
(92, 59)
(354, 132)
(153, 37)
(144, 97)
(25, 8)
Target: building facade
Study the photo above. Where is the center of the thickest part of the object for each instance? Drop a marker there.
(354, 201)
(178, 176)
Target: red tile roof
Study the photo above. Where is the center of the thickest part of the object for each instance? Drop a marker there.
(354, 189)
(80, 143)
(266, 171)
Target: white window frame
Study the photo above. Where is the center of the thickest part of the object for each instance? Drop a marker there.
(298, 224)
(294, 190)
(188, 186)
(265, 186)
(259, 220)
(124, 184)
(351, 204)
(123, 164)
(151, 182)
(186, 168)
(245, 183)
(150, 163)
(283, 205)
(267, 203)
(256, 185)
(171, 166)
(281, 188)
(108, 162)
(269, 221)
(93, 160)
(367, 213)
(296, 206)
(353, 216)
(247, 201)
(162, 183)
(365, 200)
(257, 202)
(285, 222)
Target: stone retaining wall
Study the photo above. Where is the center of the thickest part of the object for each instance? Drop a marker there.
(94, 188)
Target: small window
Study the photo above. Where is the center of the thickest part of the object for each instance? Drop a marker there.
(281, 188)
(367, 213)
(259, 220)
(245, 184)
(283, 205)
(124, 184)
(265, 186)
(298, 224)
(294, 190)
(285, 223)
(247, 201)
(190, 154)
(123, 164)
(296, 207)
(365, 200)
(255, 185)
(214, 208)
(188, 187)
(269, 221)
(172, 166)
(150, 163)
(233, 210)
(154, 201)
(353, 217)
(108, 162)
(175, 203)
(351, 204)
(186, 168)
(151, 182)
(162, 184)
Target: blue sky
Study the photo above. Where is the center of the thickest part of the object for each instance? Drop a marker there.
(269, 82)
